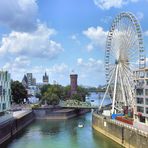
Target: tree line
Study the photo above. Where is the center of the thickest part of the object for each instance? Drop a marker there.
(49, 94)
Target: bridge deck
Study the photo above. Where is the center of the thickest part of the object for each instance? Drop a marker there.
(77, 104)
(85, 107)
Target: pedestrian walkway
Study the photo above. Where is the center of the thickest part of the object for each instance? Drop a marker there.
(6, 117)
(19, 114)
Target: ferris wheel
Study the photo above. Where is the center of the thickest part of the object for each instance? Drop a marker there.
(124, 54)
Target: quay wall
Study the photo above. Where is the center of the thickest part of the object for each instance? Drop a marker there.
(124, 134)
(10, 127)
(42, 113)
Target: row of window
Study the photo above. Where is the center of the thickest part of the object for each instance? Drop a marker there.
(142, 74)
(141, 83)
(140, 92)
(141, 109)
(141, 101)
(2, 106)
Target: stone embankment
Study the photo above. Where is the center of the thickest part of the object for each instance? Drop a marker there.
(11, 126)
(124, 134)
(59, 113)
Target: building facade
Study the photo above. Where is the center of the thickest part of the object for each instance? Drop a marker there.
(25, 81)
(141, 99)
(30, 84)
(29, 79)
(5, 91)
(45, 79)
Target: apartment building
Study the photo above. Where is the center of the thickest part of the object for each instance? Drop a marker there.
(141, 79)
(5, 91)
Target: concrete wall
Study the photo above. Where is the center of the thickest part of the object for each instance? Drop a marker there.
(14, 125)
(121, 133)
(41, 113)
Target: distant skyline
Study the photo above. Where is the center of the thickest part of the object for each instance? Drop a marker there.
(61, 36)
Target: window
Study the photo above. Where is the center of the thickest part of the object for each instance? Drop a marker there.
(147, 74)
(146, 110)
(146, 82)
(140, 109)
(146, 101)
(140, 83)
(0, 90)
(141, 74)
(4, 106)
(139, 92)
(146, 92)
(140, 101)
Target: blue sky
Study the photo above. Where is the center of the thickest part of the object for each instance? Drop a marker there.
(61, 36)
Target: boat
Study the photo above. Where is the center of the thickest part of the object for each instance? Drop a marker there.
(86, 97)
(80, 125)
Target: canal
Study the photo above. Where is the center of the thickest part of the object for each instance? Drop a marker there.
(62, 134)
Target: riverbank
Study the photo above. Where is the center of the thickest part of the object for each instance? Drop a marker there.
(123, 134)
(16, 123)
(58, 113)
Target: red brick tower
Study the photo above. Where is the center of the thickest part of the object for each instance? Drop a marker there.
(73, 83)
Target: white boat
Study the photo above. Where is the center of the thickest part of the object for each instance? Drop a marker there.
(80, 125)
(86, 97)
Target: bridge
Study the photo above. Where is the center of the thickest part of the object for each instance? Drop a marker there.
(77, 104)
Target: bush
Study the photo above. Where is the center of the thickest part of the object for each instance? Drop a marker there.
(35, 106)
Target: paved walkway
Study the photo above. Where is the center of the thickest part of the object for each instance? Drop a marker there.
(19, 114)
(6, 117)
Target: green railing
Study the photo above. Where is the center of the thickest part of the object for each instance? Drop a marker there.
(76, 104)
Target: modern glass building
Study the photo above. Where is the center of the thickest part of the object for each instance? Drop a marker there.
(5, 91)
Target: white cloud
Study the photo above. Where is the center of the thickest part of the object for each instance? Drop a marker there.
(146, 33)
(74, 37)
(58, 68)
(57, 72)
(18, 65)
(20, 15)
(106, 19)
(89, 47)
(139, 15)
(107, 4)
(55, 69)
(97, 36)
(35, 44)
(90, 69)
(21, 65)
(91, 64)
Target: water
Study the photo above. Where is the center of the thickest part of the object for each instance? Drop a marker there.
(61, 134)
(97, 97)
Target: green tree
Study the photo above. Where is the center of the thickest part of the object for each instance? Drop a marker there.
(44, 88)
(52, 94)
(82, 92)
(76, 97)
(66, 92)
(19, 92)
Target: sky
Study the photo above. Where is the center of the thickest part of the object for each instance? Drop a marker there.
(61, 37)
